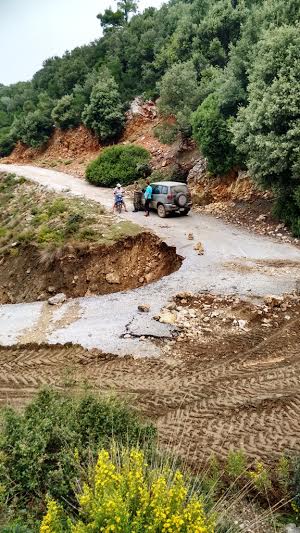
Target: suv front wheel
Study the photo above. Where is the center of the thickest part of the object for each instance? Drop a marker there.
(161, 211)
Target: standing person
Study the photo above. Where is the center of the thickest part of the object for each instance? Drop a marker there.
(148, 197)
(137, 197)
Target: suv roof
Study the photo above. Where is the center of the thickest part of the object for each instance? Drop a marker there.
(169, 183)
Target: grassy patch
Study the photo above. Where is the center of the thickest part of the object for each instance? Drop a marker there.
(31, 214)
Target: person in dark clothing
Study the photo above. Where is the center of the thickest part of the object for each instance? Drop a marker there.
(137, 197)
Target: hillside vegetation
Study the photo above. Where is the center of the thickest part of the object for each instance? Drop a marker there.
(227, 70)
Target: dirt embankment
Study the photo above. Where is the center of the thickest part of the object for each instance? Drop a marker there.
(70, 151)
(34, 274)
(237, 199)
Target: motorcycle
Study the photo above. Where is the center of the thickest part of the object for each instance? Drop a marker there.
(119, 203)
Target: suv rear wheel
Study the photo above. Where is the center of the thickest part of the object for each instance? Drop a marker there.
(161, 211)
(181, 199)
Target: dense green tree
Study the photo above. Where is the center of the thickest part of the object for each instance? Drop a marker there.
(68, 110)
(104, 114)
(7, 142)
(267, 131)
(36, 128)
(179, 94)
(127, 7)
(110, 19)
(212, 133)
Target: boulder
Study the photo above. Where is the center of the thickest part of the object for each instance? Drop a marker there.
(113, 278)
(198, 170)
(202, 198)
(272, 300)
(144, 308)
(51, 289)
(58, 299)
(166, 317)
(199, 248)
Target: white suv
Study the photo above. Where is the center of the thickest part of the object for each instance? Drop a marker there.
(169, 197)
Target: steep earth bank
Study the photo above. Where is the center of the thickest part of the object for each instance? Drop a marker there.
(86, 269)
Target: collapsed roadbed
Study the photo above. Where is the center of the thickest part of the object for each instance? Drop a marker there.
(53, 244)
(85, 270)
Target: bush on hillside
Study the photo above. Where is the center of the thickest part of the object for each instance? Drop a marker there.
(68, 110)
(7, 142)
(43, 449)
(33, 130)
(166, 133)
(179, 94)
(122, 163)
(104, 114)
(267, 131)
(212, 132)
(126, 494)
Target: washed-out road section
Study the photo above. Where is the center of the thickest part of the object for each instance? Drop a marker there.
(234, 261)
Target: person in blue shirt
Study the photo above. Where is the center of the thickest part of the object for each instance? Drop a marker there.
(148, 198)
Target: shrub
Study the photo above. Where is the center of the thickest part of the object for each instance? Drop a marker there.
(236, 464)
(42, 449)
(166, 133)
(117, 164)
(267, 130)
(7, 142)
(67, 112)
(212, 132)
(125, 494)
(35, 129)
(104, 114)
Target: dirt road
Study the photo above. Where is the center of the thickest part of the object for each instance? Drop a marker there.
(234, 261)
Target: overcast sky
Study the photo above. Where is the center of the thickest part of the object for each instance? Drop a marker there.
(33, 30)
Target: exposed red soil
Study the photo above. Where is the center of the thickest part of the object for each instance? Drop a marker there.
(85, 269)
(70, 151)
(67, 151)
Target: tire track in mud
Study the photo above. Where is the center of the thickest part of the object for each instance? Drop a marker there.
(202, 405)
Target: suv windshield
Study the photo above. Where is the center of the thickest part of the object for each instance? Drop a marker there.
(179, 188)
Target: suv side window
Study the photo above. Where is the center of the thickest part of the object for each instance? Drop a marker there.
(164, 189)
(156, 189)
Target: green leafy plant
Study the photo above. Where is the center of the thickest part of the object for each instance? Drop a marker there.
(166, 133)
(104, 114)
(267, 129)
(41, 450)
(236, 464)
(67, 112)
(117, 164)
(212, 132)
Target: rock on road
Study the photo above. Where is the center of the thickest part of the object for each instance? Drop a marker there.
(234, 261)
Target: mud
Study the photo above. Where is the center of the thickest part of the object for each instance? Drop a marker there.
(34, 274)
